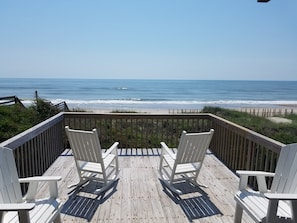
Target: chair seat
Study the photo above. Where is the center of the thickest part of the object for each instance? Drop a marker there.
(180, 168)
(44, 211)
(96, 167)
(255, 203)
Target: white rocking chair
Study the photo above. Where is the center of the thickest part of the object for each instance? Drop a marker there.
(91, 162)
(187, 162)
(279, 204)
(16, 208)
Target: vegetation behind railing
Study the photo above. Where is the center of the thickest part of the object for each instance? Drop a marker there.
(137, 130)
(238, 147)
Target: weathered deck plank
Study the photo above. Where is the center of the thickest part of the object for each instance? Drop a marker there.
(138, 195)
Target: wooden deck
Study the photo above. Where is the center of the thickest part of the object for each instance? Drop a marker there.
(139, 196)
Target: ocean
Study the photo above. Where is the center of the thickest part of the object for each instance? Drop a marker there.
(152, 94)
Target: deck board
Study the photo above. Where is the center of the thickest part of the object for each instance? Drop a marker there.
(139, 196)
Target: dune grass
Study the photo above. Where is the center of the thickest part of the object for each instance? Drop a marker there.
(282, 132)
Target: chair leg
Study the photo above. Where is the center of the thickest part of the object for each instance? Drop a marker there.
(80, 183)
(294, 211)
(58, 219)
(271, 212)
(238, 214)
(106, 186)
(195, 183)
(160, 168)
(171, 187)
(24, 217)
(160, 164)
(117, 168)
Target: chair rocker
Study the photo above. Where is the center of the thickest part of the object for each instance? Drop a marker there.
(279, 204)
(186, 163)
(16, 208)
(91, 163)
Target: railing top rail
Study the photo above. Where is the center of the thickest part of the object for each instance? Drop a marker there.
(136, 115)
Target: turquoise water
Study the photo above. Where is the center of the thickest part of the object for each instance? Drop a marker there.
(155, 94)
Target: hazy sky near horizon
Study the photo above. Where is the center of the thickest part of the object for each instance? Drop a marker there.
(149, 39)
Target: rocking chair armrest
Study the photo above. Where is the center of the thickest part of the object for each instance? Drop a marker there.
(273, 204)
(17, 206)
(40, 179)
(107, 152)
(167, 150)
(252, 173)
(260, 176)
(33, 185)
(280, 196)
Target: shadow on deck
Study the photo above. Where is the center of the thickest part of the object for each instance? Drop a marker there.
(139, 195)
(194, 201)
(84, 201)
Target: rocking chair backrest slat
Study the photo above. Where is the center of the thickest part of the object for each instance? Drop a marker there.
(285, 180)
(85, 145)
(193, 146)
(10, 189)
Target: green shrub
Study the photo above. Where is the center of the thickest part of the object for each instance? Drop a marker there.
(15, 119)
(42, 110)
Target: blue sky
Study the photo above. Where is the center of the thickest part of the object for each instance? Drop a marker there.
(149, 39)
